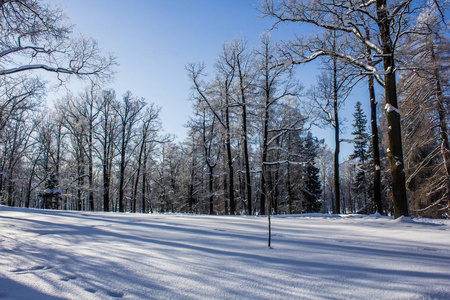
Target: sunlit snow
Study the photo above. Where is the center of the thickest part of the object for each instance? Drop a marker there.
(84, 255)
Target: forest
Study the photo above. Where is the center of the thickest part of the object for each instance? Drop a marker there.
(250, 147)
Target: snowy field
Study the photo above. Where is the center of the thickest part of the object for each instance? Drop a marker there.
(81, 255)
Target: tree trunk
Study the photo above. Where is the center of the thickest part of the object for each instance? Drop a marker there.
(122, 172)
(105, 161)
(229, 160)
(337, 196)
(395, 151)
(105, 186)
(211, 194)
(138, 172)
(375, 148)
(144, 181)
(136, 184)
(91, 169)
(276, 191)
(289, 188)
(263, 196)
(248, 184)
(80, 180)
(10, 190)
(225, 202)
(121, 185)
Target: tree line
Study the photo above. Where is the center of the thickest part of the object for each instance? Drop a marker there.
(250, 147)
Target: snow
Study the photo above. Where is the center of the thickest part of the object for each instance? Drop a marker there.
(84, 255)
(389, 108)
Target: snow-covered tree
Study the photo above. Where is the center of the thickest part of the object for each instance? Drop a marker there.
(424, 103)
(388, 22)
(312, 187)
(360, 153)
(35, 36)
(51, 194)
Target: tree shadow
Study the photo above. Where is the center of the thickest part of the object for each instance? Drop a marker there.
(10, 289)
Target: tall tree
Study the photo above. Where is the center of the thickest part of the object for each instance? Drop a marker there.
(220, 106)
(129, 113)
(312, 189)
(388, 20)
(89, 114)
(71, 109)
(149, 130)
(107, 135)
(360, 152)
(275, 83)
(424, 104)
(328, 97)
(245, 76)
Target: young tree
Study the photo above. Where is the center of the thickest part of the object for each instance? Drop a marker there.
(51, 193)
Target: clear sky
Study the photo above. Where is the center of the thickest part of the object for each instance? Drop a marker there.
(153, 40)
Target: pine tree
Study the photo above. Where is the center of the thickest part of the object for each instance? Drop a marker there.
(361, 137)
(51, 194)
(361, 183)
(312, 185)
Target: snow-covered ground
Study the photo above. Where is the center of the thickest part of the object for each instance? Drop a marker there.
(82, 255)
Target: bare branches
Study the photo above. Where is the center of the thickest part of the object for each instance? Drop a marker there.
(36, 33)
(195, 71)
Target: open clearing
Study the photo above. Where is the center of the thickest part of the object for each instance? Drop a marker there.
(84, 255)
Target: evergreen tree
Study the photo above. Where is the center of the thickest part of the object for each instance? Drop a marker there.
(51, 194)
(361, 183)
(312, 184)
(361, 137)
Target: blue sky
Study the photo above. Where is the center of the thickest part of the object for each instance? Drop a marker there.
(153, 40)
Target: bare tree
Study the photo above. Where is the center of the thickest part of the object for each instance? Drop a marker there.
(107, 135)
(275, 83)
(217, 97)
(19, 97)
(71, 110)
(149, 134)
(17, 141)
(387, 20)
(245, 75)
(89, 113)
(35, 36)
(328, 96)
(129, 112)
